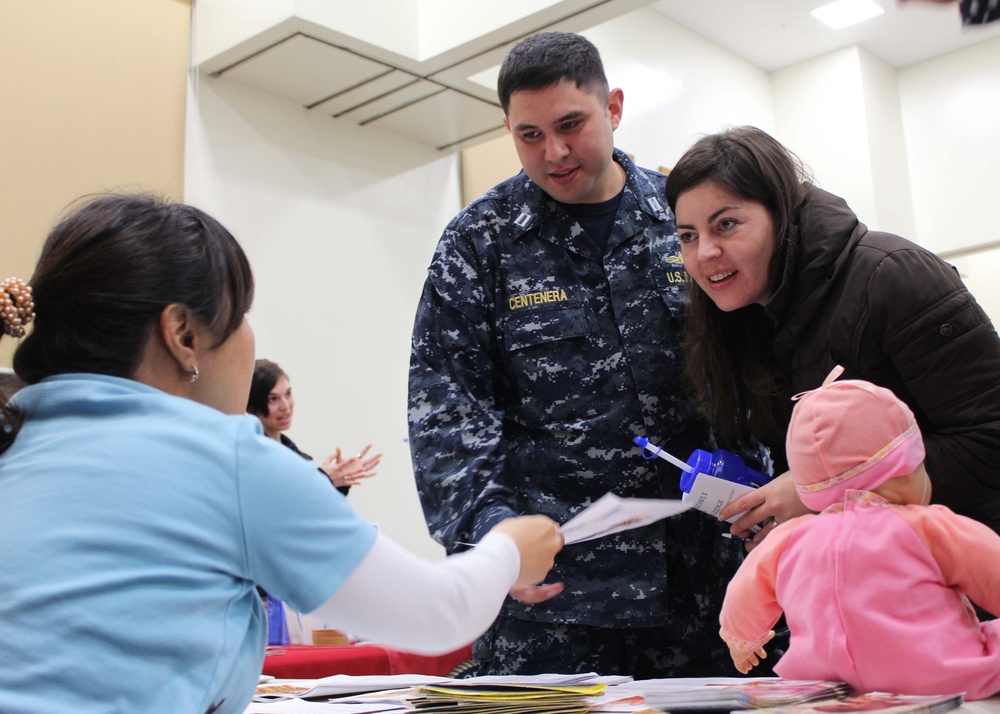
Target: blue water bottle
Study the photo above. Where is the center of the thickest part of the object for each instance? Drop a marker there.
(720, 463)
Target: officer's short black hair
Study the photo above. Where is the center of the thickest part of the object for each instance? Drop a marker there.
(548, 58)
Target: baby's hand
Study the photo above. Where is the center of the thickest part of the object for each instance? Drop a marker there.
(745, 660)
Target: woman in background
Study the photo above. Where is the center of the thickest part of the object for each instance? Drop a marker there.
(143, 505)
(272, 402)
(789, 283)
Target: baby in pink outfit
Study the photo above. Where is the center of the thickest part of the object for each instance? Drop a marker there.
(875, 588)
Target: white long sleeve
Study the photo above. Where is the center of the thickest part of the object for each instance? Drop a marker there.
(398, 599)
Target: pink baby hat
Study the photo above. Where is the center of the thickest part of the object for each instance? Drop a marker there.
(849, 435)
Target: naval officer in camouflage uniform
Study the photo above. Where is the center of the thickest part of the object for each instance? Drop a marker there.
(546, 339)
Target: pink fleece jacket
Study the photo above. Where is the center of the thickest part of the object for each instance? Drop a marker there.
(875, 595)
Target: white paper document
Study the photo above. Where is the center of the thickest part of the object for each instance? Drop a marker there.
(302, 706)
(710, 494)
(611, 514)
(343, 684)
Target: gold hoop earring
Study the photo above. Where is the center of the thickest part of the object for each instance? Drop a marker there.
(194, 375)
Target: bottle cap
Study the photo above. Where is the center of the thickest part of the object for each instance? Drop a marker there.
(700, 462)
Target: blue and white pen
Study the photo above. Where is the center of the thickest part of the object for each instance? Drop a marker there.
(657, 451)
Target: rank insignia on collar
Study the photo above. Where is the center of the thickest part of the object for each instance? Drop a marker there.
(654, 203)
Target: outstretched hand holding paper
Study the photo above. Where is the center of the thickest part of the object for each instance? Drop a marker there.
(611, 514)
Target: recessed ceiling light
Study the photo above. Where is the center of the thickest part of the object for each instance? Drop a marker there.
(845, 13)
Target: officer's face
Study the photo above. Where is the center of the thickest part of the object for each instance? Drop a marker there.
(564, 136)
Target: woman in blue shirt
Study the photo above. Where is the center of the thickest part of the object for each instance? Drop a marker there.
(143, 506)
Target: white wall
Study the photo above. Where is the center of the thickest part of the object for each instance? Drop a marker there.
(820, 108)
(891, 189)
(339, 223)
(979, 270)
(677, 86)
(841, 114)
(913, 151)
(951, 120)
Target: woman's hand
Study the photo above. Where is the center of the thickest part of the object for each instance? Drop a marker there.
(538, 538)
(348, 472)
(766, 506)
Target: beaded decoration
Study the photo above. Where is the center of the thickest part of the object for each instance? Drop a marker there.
(16, 306)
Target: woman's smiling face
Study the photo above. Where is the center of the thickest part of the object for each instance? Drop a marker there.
(280, 407)
(727, 244)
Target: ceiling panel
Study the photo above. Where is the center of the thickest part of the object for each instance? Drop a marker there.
(371, 90)
(304, 70)
(443, 119)
(441, 100)
(391, 102)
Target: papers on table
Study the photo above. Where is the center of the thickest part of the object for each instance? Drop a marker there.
(542, 694)
(374, 687)
(340, 685)
(880, 702)
(739, 694)
(504, 699)
(555, 693)
(611, 514)
(302, 706)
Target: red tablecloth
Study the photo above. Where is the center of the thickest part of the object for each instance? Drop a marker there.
(310, 662)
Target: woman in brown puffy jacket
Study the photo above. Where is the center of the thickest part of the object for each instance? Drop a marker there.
(787, 283)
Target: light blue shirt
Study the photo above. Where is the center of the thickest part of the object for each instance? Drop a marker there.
(135, 526)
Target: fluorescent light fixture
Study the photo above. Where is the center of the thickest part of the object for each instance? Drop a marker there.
(845, 13)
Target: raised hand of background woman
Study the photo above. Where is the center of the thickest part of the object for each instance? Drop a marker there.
(350, 471)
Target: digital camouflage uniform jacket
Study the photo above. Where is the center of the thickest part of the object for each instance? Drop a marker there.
(535, 362)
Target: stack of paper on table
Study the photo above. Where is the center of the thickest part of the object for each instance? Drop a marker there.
(740, 695)
(772, 695)
(399, 694)
(400, 686)
(340, 685)
(514, 694)
(881, 702)
(513, 699)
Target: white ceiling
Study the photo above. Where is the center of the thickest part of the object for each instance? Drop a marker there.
(774, 34)
(449, 100)
(439, 100)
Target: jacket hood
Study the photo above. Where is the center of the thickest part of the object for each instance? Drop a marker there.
(822, 235)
